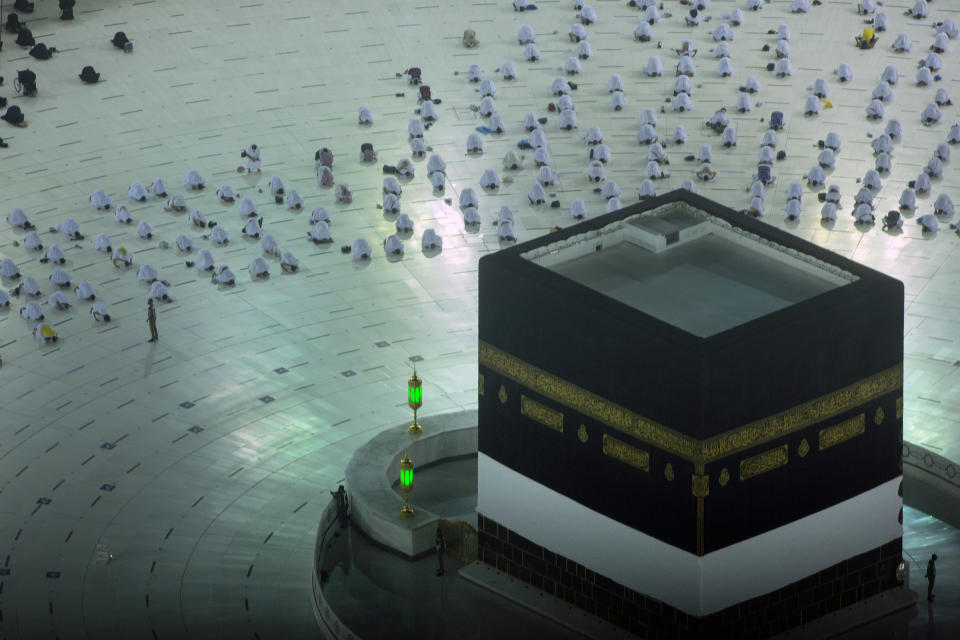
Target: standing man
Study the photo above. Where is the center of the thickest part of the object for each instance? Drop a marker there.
(931, 577)
(152, 320)
(340, 495)
(441, 544)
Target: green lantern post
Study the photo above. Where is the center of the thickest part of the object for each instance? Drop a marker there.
(415, 400)
(406, 484)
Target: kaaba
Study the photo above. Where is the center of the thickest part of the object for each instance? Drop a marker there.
(690, 421)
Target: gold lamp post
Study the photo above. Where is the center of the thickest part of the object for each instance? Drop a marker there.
(406, 484)
(415, 400)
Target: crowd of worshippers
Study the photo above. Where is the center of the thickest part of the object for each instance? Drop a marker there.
(254, 226)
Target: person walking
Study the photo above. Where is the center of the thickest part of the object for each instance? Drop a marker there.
(931, 577)
(152, 320)
(441, 545)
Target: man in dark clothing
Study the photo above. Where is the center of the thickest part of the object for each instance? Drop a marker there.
(441, 544)
(931, 577)
(340, 495)
(66, 9)
(152, 321)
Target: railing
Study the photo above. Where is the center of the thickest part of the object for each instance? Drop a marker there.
(330, 625)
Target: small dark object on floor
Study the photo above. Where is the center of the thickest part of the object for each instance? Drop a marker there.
(389, 169)
(211, 224)
(16, 244)
(345, 249)
(659, 45)
(278, 199)
(771, 66)
(690, 158)
(820, 144)
(555, 204)
(766, 47)
(817, 3)
(910, 184)
(771, 32)
(573, 86)
(551, 107)
(448, 200)
(598, 190)
(542, 120)
(398, 95)
(869, 135)
(3, 145)
(781, 155)
(822, 197)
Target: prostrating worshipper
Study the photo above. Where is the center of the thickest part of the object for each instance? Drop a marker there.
(490, 179)
(428, 113)
(919, 10)
(829, 212)
(594, 135)
(495, 125)
(685, 67)
(793, 209)
(55, 255)
(468, 198)
(205, 260)
(863, 214)
(942, 98)
(159, 188)
(323, 158)
(867, 6)
(654, 171)
(752, 85)
(782, 49)
(226, 194)
(756, 207)
(159, 291)
(783, 68)
(277, 189)
(893, 220)
(138, 192)
(33, 242)
(31, 311)
(431, 240)
(270, 245)
(692, 19)
(931, 114)
(44, 332)
(816, 178)
(654, 67)
(601, 152)
(259, 268)
(941, 43)
(18, 218)
(144, 230)
(393, 246)
(70, 228)
(198, 220)
(719, 120)
(844, 72)
(320, 234)
(537, 194)
(60, 278)
(30, 287)
(438, 181)
(882, 144)
(766, 156)
(100, 200)
(147, 273)
(391, 185)
(289, 263)
(9, 269)
(908, 200)
(568, 119)
(902, 44)
(882, 92)
(924, 77)
(415, 128)
(933, 61)
(929, 223)
(800, 6)
(704, 153)
(864, 196)
(546, 176)
(252, 154)
(646, 190)
(364, 116)
(682, 102)
(531, 53)
(890, 75)
(643, 32)
(943, 206)
(882, 163)
(953, 136)
(100, 312)
(812, 106)
(722, 50)
(578, 209)
(757, 190)
(391, 204)
(247, 208)
(14, 116)
(611, 190)
(827, 159)
(403, 224)
(194, 180)
(794, 191)
(474, 143)
(704, 173)
(867, 39)
(361, 249)
(725, 68)
(881, 22)
(679, 134)
(647, 134)
(220, 236)
(184, 243)
(367, 153)
(943, 152)
(875, 110)
(470, 40)
(656, 152)
(578, 33)
(294, 200)
(251, 229)
(121, 258)
(102, 243)
(729, 137)
(682, 85)
(613, 204)
(59, 301)
(723, 32)
(595, 171)
(934, 168)
(223, 275)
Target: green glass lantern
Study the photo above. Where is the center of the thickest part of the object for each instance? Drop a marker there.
(406, 484)
(415, 400)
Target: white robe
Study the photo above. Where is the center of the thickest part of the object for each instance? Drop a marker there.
(793, 209)
(537, 194)
(294, 200)
(4, 299)
(725, 68)
(934, 168)
(908, 199)
(137, 191)
(613, 204)
(643, 32)
(415, 128)
(404, 223)
(60, 277)
(942, 98)
(654, 67)
(427, 112)
(600, 152)
(193, 180)
(832, 141)
(226, 193)
(931, 114)
(251, 229)
(258, 268)
(32, 311)
(361, 249)
(812, 105)
(100, 199)
(794, 191)
(705, 153)
(903, 43)
(950, 28)
(55, 254)
(578, 33)
(546, 176)
(391, 203)
(31, 287)
(844, 72)
(122, 215)
(929, 222)
(816, 177)
(882, 144)
(18, 218)
(158, 291)
(85, 291)
(920, 9)
(890, 75)
(321, 233)
(595, 171)
(33, 241)
(572, 66)
(144, 230)
(9, 269)
(99, 308)
(468, 198)
(682, 102)
(474, 143)
(942, 152)
(438, 179)
(568, 119)
(829, 211)
(505, 232)
(537, 138)
(253, 157)
(875, 109)
(526, 35)
(496, 123)
(882, 163)
(653, 171)
(204, 260)
(69, 227)
(729, 136)
(611, 190)
(864, 196)
(487, 88)
(224, 275)
(531, 53)
(364, 116)
(647, 134)
(276, 186)
(509, 70)
(393, 246)
(578, 209)
(800, 6)
(247, 208)
(431, 240)
(177, 202)
(159, 187)
(289, 261)
(269, 245)
(783, 68)
(766, 155)
(489, 179)
(559, 86)
(744, 102)
(723, 32)
(646, 190)
(943, 205)
(757, 190)
(863, 214)
(220, 235)
(872, 181)
(147, 273)
(827, 159)
(197, 218)
(184, 243)
(614, 83)
(924, 77)
(436, 163)
(953, 136)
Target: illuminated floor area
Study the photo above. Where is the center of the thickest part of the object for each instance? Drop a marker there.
(202, 462)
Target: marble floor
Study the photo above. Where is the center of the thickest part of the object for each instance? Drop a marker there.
(201, 462)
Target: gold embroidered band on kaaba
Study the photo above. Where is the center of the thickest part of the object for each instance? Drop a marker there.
(541, 413)
(672, 441)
